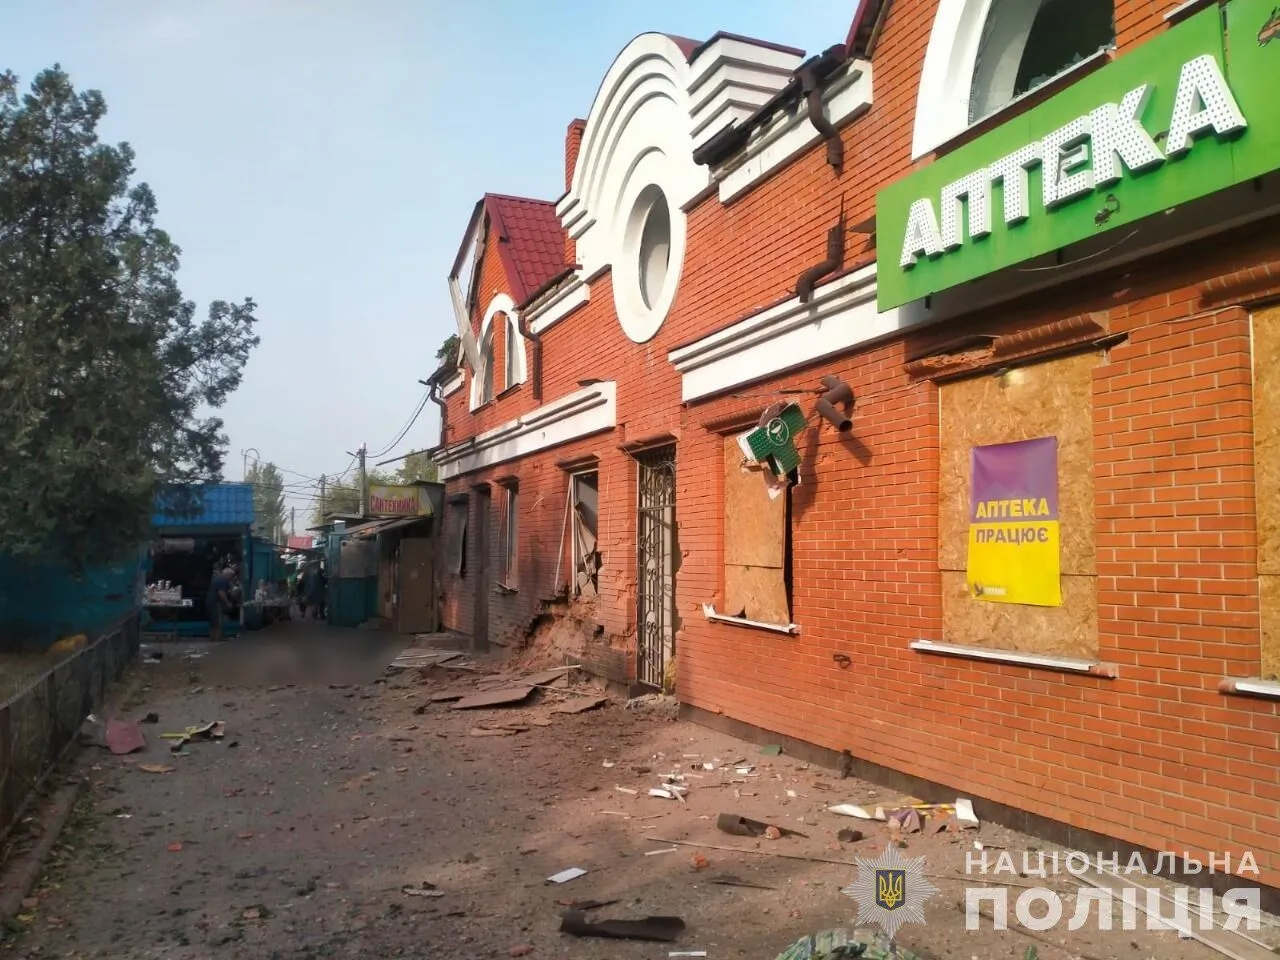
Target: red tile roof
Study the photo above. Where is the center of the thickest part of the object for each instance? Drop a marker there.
(530, 241)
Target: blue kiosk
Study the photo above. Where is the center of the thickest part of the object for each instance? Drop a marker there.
(186, 551)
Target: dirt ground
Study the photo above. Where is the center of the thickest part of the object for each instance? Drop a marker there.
(296, 834)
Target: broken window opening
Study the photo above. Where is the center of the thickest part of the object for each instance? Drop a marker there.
(511, 536)
(757, 541)
(456, 537)
(585, 489)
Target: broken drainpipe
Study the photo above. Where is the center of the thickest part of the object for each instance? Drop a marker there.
(832, 403)
(835, 258)
(432, 383)
(812, 75)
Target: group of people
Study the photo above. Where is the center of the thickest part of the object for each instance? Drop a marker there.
(309, 590)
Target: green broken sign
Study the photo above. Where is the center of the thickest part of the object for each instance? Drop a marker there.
(774, 441)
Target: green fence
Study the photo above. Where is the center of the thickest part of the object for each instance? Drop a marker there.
(41, 719)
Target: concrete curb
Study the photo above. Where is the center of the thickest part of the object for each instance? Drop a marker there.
(21, 873)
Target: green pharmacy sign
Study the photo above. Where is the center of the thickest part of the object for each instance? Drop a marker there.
(1175, 120)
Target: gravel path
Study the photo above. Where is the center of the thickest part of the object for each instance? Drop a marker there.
(296, 834)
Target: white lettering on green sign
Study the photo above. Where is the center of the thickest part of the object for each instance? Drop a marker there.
(1086, 154)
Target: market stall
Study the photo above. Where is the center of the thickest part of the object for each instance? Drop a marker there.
(188, 548)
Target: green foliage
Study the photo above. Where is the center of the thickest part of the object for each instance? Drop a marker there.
(268, 501)
(343, 497)
(107, 374)
(448, 352)
(417, 466)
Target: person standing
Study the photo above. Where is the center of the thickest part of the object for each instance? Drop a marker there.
(218, 600)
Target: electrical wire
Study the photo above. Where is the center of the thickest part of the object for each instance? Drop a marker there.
(422, 405)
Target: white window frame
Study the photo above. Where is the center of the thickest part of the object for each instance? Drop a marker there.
(946, 80)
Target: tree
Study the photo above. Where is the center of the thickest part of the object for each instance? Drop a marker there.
(417, 466)
(268, 501)
(343, 497)
(109, 378)
(448, 352)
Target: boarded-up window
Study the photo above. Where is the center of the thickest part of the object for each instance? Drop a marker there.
(1266, 459)
(456, 537)
(756, 542)
(586, 553)
(1051, 399)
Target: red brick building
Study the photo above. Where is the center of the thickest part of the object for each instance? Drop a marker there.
(721, 248)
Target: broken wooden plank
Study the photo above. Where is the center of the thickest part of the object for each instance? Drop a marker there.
(545, 676)
(494, 698)
(580, 705)
(1226, 942)
(447, 695)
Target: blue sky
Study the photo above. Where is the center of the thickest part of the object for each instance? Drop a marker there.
(323, 158)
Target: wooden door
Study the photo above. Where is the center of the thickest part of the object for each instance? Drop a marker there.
(417, 586)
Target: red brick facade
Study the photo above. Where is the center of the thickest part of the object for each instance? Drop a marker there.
(1154, 755)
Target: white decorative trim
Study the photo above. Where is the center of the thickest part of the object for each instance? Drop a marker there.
(501, 303)
(731, 79)
(947, 77)
(709, 611)
(546, 313)
(454, 385)
(1269, 689)
(841, 315)
(788, 135)
(942, 103)
(1064, 664)
(579, 414)
(637, 136)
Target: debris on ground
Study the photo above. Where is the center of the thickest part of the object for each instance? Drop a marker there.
(416, 658)
(583, 905)
(729, 880)
(965, 815)
(564, 876)
(738, 826)
(201, 731)
(424, 889)
(844, 945)
(494, 698)
(580, 705)
(155, 768)
(124, 737)
(659, 929)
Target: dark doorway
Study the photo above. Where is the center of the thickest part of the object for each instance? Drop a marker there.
(656, 564)
(484, 587)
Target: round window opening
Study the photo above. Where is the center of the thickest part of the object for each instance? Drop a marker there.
(655, 250)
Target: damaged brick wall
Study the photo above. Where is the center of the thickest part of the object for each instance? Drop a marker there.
(1157, 753)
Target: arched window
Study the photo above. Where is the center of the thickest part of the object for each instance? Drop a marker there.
(511, 373)
(1026, 43)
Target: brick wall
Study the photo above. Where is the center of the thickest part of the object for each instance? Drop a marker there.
(1157, 756)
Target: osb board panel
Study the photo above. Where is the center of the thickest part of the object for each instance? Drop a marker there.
(754, 523)
(757, 593)
(1269, 590)
(1054, 398)
(1070, 630)
(1266, 436)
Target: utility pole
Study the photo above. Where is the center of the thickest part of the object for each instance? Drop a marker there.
(293, 521)
(364, 482)
(364, 477)
(322, 498)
